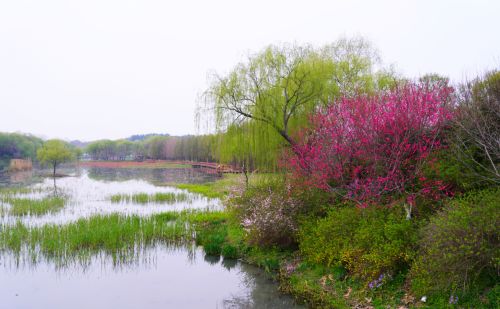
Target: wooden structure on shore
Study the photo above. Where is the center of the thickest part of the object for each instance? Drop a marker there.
(20, 165)
(218, 168)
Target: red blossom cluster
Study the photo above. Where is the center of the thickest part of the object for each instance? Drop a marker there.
(372, 147)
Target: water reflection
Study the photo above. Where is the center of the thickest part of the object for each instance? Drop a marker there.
(152, 175)
(89, 196)
(167, 277)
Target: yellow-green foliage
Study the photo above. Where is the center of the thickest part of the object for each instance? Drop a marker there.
(460, 247)
(367, 242)
(55, 152)
(260, 104)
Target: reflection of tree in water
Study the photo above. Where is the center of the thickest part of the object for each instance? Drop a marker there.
(229, 263)
(212, 259)
(261, 292)
(55, 193)
(154, 175)
(21, 178)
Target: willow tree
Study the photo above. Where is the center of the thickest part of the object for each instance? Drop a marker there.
(271, 96)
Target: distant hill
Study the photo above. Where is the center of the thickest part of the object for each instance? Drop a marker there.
(141, 137)
(79, 144)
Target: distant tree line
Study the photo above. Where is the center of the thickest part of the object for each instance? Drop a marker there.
(155, 147)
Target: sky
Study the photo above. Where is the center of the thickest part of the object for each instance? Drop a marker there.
(95, 69)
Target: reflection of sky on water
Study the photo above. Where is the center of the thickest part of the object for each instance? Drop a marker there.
(165, 277)
(162, 276)
(89, 194)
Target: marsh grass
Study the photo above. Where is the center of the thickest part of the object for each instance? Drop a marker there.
(144, 198)
(120, 237)
(34, 207)
(12, 191)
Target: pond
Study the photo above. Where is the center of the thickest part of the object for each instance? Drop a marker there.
(89, 192)
(159, 275)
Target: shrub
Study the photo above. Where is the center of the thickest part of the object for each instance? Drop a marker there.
(477, 129)
(372, 243)
(268, 212)
(460, 246)
(373, 149)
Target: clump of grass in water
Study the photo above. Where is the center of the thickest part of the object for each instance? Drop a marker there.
(6, 193)
(144, 198)
(121, 237)
(14, 190)
(118, 236)
(34, 207)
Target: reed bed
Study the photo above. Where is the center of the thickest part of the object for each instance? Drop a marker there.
(120, 237)
(144, 198)
(33, 207)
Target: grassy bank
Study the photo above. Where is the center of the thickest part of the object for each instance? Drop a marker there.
(374, 258)
(123, 237)
(221, 187)
(346, 258)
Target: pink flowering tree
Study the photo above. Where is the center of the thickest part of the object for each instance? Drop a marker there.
(373, 149)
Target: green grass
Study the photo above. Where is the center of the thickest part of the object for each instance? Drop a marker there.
(118, 236)
(222, 186)
(207, 190)
(216, 189)
(144, 198)
(34, 207)
(8, 192)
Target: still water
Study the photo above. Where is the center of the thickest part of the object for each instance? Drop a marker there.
(89, 191)
(163, 276)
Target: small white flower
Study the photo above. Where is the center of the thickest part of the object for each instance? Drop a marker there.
(423, 299)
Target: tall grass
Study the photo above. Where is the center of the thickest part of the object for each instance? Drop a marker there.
(34, 207)
(10, 191)
(144, 198)
(118, 236)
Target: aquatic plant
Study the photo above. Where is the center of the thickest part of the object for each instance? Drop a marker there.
(9, 191)
(117, 236)
(35, 207)
(144, 198)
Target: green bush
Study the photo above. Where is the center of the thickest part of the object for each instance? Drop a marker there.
(229, 251)
(372, 243)
(460, 247)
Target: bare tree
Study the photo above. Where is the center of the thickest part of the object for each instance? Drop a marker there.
(478, 127)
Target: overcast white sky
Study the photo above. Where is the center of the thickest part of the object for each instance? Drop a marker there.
(111, 68)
